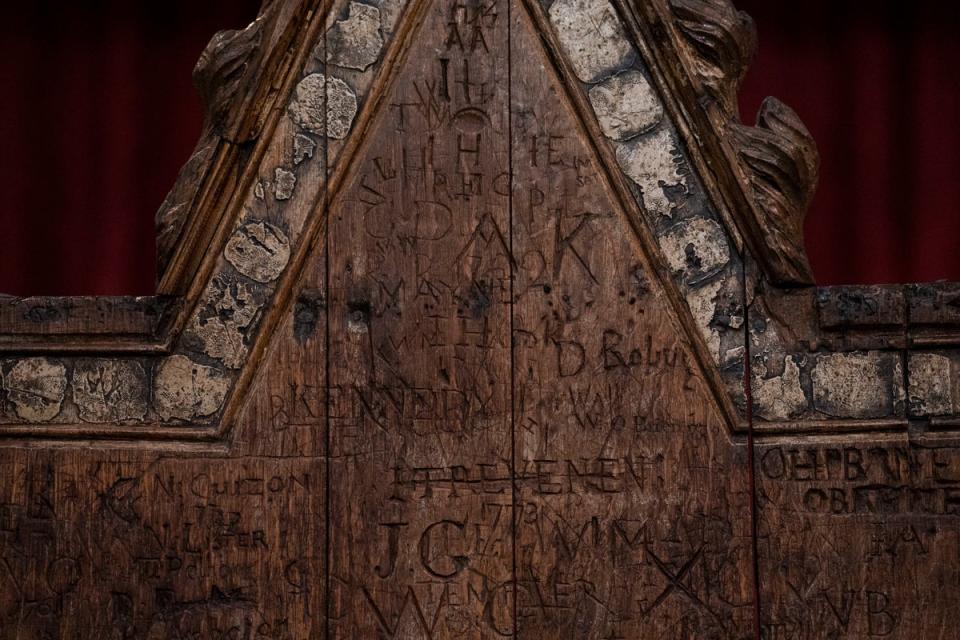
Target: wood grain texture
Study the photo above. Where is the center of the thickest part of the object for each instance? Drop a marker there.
(128, 543)
(859, 537)
(767, 172)
(633, 516)
(419, 412)
(239, 78)
(480, 350)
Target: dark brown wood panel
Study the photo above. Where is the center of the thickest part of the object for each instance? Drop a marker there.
(420, 418)
(210, 541)
(633, 503)
(120, 545)
(470, 360)
(859, 537)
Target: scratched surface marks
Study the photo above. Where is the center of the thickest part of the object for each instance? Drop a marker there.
(419, 321)
(476, 419)
(115, 546)
(859, 537)
(633, 506)
(101, 542)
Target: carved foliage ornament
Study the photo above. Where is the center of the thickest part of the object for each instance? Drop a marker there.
(777, 160)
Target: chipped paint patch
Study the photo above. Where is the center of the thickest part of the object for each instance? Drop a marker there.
(228, 311)
(186, 390)
(778, 395)
(390, 11)
(697, 248)
(931, 385)
(703, 306)
(343, 108)
(284, 183)
(652, 162)
(36, 388)
(626, 105)
(259, 251)
(110, 390)
(356, 42)
(303, 148)
(856, 385)
(307, 106)
(592, 36)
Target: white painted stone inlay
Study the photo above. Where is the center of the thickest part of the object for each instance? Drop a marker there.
(592, 36)
(626, 105)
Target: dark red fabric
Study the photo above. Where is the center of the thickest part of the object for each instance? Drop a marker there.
(97, 114)
(878, 85)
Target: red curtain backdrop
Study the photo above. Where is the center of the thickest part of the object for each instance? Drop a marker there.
(877, 84)
(97, 113)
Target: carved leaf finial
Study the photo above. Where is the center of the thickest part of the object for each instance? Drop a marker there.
(724, 41)
(779, 161)
(220, 71)
(221, 76)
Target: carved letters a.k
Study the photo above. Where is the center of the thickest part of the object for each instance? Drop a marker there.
(483, 319)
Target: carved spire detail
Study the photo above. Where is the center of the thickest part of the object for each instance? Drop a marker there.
(724, 42)
(779, 160)
(778, 164)
(228, 68)
(221, 69)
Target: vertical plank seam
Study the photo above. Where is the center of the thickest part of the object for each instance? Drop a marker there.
(513, 389)
(632, 211)
(327, 545)
(751, 475)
